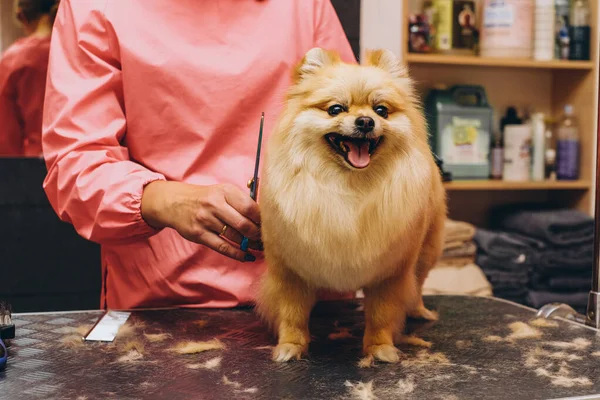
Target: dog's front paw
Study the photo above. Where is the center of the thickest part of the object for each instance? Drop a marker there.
(286, 351)
(422, 312)
(383, 352)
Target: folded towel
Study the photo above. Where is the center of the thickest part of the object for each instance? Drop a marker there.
(521, 264)
(560, 227)
(566, 283)
(501, 279)
(462, 280)
(577, 300)
(517, 295)
(456, 233)
(574, 258)
(454, 262)
(466, 249)
(507, 246)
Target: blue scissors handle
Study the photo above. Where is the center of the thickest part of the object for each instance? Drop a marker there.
(253, 186)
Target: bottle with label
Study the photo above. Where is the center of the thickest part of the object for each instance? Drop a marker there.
(579, 31)
(443, 25)
(497, 156)
(543, 34)
(510, 118)
(507, 28)
(567, 146)
(562, 39)
(549, 152)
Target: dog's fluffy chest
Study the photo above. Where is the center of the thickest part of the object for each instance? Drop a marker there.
(343, 239)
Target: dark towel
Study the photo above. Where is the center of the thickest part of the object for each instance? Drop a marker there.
(520, 291)
(560, 227)
(520, 263)
(517, 295)
(577, 300)
(564, 282)
(506, 246)
(574, 258)
(520, 278)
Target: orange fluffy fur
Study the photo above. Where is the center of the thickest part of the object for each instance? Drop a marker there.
(327, 225)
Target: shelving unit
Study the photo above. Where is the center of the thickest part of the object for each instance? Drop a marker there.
(507, 185)
(497, 62)
(545, 86)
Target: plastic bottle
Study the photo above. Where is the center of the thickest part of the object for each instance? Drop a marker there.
(507, 28)
(562, 39)
(579, 31)
(543, 35)
(550, 152)
(567, 145)
(511, 118)
(512, 143)
(497, 156)
(537, 160)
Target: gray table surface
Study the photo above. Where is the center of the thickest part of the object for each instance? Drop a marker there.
(462, 363)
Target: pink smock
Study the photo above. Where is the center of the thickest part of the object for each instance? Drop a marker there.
(23, 68)
(140, 91)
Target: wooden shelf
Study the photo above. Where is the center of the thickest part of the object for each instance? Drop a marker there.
(442, 59)
(485, 185)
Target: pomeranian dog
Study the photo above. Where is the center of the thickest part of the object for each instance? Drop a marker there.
(351, 199)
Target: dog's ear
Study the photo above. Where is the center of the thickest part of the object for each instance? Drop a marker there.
(387, 61)
(315, 59)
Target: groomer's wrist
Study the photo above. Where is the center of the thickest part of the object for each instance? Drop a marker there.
(154, 204)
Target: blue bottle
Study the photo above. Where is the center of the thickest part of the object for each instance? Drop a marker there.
(567, 147)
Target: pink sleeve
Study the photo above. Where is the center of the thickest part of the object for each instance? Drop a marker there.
(329, 32)
(91, 181)
(11, 129)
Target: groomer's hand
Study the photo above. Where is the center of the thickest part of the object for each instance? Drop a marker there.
(199, 213)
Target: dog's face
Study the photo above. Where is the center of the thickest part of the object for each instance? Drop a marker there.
(349, 114)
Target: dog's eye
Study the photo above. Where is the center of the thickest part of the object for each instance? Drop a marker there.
(335, 109)
(382, 111)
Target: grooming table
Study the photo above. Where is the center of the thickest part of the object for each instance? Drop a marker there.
(40, 367)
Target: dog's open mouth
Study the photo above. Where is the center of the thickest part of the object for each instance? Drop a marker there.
(357, 152)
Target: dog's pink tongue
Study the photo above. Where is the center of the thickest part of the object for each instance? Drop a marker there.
(358, 155)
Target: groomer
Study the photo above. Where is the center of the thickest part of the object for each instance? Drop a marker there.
(150, 125)
(23, 68)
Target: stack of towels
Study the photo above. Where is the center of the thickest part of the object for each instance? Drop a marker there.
(563, 272)
(507, 260)
(539, 256)
(456, 272)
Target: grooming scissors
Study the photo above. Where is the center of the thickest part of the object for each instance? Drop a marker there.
(253, 183)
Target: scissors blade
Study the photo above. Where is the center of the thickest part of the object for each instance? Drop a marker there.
(254, 187)
(254, 181)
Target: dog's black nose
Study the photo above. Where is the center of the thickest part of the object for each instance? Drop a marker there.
(365, 124)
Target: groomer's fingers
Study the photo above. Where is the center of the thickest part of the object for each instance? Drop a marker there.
(236, 237)
(242, 203)
(232, 218)
(210, 222)
(218, 244)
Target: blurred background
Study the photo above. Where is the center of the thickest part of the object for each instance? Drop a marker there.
(510, 92)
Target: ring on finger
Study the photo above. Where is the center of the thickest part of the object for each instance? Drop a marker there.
(223, 230)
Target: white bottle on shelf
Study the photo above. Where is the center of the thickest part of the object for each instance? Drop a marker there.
(517, 153)
(543, 30)
(538, 147)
